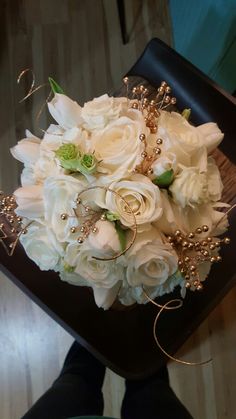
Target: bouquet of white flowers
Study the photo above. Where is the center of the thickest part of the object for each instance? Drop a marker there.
(121, 195)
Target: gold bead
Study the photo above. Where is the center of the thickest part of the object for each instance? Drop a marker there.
(142, 137)
(159, 141)
(167, 99)
(205, 253)
(95, 229)
(191, 246)
(212, 246)
(182, 270)
(187, 277)
(218, 258)
(187, 284)
(205, 228)
(204, 243)
(80, 240)
(186, 259)
(144, 154)
(212, 259)
(209, 239)
(226, 240)
(167, 89)
(134, 90)
(196, 283)
(103, 217)
(217, 244)
(82, 229)
(185, 244)
(163, 84)
(150, 171)
(64, 216)
(78, 201)
(141, 88)
(180, 262)
(87, 209)
(196, 245)
(135, 105)
(73, 230)
(198, 230)
(177, 233)
(153, 129)
(126, 80)
(191, 235)
(24, 231)
(199, 287)
(173, 101)
(192, 268)
(170, 239)
(157, 150)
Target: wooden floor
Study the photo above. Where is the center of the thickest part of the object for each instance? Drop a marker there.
(79, 44)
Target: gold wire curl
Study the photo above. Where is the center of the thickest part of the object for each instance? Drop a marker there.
(133, 227)
(167, 306)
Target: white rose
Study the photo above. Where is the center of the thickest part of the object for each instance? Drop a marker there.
(100, 111)
(150, 262)
(105, 238)
(30, 201)
(65, 111)
(26, 150)
(41, 246)
(98, 273)
(27, 176)
(188, 219)
(177, 127)
(105, 297)
(214, 182)
(59, 196)
(142, 196)
(192, 187)
(118, 147)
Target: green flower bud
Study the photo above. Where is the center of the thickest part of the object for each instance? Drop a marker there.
(68, 268)
(186, 113)
(164, 180)
(87, 164)
(69, 156)
(112, 216)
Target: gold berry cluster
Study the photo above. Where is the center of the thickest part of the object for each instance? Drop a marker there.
(192, 250)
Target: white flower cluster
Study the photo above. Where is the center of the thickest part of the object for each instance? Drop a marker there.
(99, 145)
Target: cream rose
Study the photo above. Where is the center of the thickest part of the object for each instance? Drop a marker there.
(59, 196)
(100, 111)
(41, 246)
(118, 147)
(150, 262)
(65, 111)
(142, 196)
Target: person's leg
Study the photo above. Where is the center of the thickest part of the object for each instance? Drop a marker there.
(152, 398)
(77, 390)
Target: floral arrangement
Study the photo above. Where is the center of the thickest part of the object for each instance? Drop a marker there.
(121, 195)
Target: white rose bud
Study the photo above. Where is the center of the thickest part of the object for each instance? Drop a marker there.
(65, 111)
(30, 201)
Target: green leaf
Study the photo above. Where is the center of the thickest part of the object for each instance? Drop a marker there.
(54, 86)
(164, 180)
(121, 236)
(186, 113)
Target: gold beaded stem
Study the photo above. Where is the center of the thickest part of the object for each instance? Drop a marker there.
(134, 227)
